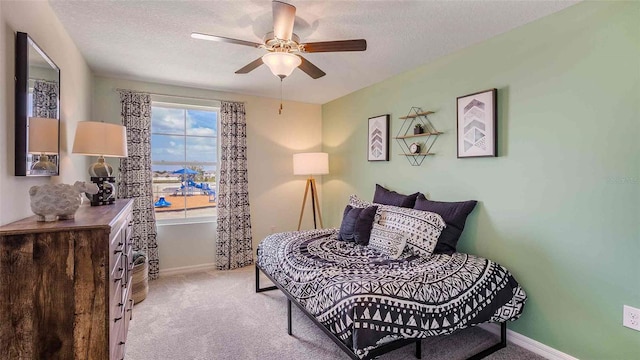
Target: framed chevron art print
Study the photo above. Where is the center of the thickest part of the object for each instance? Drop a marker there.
(477, 124)
(378, 135)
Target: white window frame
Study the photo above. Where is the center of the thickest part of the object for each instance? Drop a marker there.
(182, 106)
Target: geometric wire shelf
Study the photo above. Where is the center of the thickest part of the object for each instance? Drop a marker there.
(425, 140)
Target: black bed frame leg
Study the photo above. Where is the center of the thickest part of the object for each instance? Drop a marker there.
(418, 349)
(289, 316)
(258, 289)
(501, 345)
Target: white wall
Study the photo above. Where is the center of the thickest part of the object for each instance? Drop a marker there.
(275, 194)
(38, 20)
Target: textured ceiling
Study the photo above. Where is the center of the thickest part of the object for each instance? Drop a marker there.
(150, 40)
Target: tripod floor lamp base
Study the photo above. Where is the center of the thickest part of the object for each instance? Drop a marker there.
(315, 204)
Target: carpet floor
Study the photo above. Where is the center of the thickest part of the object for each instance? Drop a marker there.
(217, 315)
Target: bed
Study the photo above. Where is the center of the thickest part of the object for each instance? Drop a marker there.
(367, 300)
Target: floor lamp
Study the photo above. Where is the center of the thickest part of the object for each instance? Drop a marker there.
(311, 164)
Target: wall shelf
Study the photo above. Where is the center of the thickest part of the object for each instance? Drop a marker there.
(418, 135)
(425, 140)
(418, 154)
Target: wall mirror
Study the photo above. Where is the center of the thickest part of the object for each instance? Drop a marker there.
(37, 110)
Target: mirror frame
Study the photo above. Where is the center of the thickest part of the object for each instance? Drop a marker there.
(23, 41)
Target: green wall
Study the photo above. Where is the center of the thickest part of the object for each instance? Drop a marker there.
(560, 206)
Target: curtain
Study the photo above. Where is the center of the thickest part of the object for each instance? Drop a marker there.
(234, 247)
(134, 177)
(45, 99)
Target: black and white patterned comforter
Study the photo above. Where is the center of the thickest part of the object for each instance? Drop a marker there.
(367, 300)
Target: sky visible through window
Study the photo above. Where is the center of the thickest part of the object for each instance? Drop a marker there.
(175, 140)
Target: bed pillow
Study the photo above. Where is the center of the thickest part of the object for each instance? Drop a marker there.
(421, 228)
(388, 197)
(386, 241)
(454, 214)
(357, 202)
(356, 224)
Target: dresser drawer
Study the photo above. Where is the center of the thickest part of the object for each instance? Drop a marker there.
(128, 313)
(116, 306)
(119, 333)
(128, 230)
(116, 248)
(117, 343)
(119, 267)
(116, 292)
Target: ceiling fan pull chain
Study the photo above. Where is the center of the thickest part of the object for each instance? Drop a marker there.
(280, 110)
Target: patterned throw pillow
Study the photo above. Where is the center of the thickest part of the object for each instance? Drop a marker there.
(388, 242)
(356, 224)
(356, 202)
(422, 228)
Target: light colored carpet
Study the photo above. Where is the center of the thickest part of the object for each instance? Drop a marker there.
(218, 315)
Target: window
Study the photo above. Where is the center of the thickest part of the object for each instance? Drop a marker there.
(184, 158)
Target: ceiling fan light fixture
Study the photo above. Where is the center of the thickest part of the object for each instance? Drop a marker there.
(281, 64)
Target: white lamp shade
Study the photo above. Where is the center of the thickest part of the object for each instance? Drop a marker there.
(311, 163)
(43, 136)
(281, 64)
(100, 139)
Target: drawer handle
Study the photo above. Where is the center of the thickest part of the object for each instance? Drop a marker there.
(126, 261)
(115, 280)
(121, 343)
(117, 251)
(116, 319)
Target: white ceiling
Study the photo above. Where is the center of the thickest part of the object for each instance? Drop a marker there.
(150, 40)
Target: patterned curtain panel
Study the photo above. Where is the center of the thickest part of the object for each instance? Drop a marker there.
(134, 178)
(45, 99)
(234, 244)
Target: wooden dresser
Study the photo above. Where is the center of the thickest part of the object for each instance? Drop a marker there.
(65, 286)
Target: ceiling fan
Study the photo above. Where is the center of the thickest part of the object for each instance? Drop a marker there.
(284, 46)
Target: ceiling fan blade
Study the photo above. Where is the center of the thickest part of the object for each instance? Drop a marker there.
(250, 66)
(202, 36)
(310, 69)
(284, 15)
(335, 46)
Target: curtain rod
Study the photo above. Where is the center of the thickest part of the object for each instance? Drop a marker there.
(178, 96)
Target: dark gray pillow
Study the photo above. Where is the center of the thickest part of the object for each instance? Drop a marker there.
(356, 224)
(388, 197)
(454, 215)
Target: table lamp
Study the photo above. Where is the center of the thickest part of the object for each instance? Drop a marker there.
(43, 141)
(101, 139)
(311, 164)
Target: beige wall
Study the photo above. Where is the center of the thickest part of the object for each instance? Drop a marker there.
(275, 194)
(38, 20)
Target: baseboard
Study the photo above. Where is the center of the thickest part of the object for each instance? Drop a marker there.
(529, 344)
(187, 269)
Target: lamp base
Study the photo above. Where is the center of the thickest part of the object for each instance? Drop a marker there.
(100, 168)
(43, 164)
(105, 195)
(315, 204)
